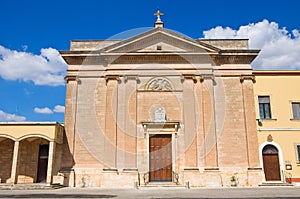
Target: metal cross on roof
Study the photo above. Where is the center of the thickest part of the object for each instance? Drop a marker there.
(158, 14)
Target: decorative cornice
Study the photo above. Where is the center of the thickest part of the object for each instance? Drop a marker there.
(75, 58)
(161, 125)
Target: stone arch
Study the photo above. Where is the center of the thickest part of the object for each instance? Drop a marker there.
(35, 136)
(7, 136)
(29, 161)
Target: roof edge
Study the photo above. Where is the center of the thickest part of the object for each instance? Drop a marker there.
(276, 72)
(30, 123)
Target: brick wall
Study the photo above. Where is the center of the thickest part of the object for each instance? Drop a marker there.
(6, 156)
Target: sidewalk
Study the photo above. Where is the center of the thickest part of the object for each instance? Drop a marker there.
(257, 192)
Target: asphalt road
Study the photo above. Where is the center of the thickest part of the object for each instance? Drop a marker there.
(155, 193)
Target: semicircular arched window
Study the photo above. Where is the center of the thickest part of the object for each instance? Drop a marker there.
(270, 149)
(159, 84)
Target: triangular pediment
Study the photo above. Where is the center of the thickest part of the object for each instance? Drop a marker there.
(162, 47)
(159, 40)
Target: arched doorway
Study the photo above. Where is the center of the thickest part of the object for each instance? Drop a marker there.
(6, 158)
(33, 160)
(271, 163)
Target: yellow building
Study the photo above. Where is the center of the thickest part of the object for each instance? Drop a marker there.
(30, 152)
(277, 100)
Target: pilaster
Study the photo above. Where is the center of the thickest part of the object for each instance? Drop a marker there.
(131, 82)
(250, 120)
(209, 121)
(110, 143)
(189, 120)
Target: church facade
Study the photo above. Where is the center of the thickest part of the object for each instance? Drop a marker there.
(160, 107)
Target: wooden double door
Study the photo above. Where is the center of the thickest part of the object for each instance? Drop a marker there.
(160, 148)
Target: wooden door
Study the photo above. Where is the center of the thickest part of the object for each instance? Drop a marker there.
(271, 163)
(43, 163)
(160, 158)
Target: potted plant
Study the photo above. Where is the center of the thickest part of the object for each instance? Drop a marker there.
(234, 180)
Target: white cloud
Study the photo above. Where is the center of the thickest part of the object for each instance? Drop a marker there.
(48, 68)
(280, 49)
(7, 117)
(59, 109)
(45, 110)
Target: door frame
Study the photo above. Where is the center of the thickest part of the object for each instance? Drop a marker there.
(173, 142)
(280, 157)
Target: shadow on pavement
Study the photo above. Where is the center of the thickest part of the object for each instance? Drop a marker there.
(56, 196)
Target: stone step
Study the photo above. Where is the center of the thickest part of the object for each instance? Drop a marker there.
(275, 184)
(34, 186)
(162, 185)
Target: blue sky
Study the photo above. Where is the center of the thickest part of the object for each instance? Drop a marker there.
(31, 32)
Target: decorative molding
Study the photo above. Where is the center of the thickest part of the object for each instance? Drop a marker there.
(191, 169)
(270, 138)
(211, 169)
(112, 77)
(247, 77)
(207, 76)
(163, 57)
(160, 115)
(254, 169)
(161, 125)
(159, 84)
(130, 170)
(110, 170)
(278, 129)
(131, 77)
(189, 76)
(70, 78)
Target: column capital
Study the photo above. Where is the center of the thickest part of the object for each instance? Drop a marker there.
(70, 78)
(207, 76)
(247, 77)
(192, 77)
(131, 77)
(112, 77)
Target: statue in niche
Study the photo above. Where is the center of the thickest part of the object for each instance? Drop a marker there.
(159, 84)
(160, 115)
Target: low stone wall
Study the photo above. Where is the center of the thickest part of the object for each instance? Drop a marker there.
(222, 177)
(105, 178)
(116, 179)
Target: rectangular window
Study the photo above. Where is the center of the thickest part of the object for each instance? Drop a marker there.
(298, 153)
(264, 107)
(296, 110)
